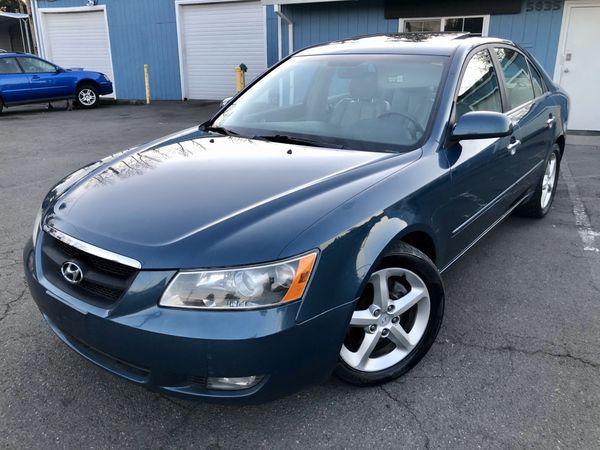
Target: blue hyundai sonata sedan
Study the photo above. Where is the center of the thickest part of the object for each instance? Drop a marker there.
(303, 230)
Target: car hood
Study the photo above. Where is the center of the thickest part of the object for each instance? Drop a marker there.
(204, 201)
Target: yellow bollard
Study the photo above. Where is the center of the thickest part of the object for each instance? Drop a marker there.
(147, 81)
(240, 79)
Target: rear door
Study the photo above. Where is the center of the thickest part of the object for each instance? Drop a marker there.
(480, 168)
(14, 84)
(530, 108)
(45, 80)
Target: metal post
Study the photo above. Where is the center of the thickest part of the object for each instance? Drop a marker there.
(238, 79)
(147, 81)
(26, 25)
(22, 34)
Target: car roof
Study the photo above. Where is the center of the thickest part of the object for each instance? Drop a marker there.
(444, 44)
(6, 54)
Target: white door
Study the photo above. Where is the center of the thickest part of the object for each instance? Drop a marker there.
(78, 40)
(580, 57)
(215, 38)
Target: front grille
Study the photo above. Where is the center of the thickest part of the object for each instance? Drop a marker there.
(104, 281)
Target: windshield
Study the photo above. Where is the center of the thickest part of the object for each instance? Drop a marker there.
(365, 102)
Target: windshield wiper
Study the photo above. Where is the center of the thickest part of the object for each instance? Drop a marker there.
(285, 139)
(220, 130)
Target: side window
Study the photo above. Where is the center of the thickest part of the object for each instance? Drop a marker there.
(9, 66)
(34, 65)
(516, 74)
(538, 83)
(479, 89)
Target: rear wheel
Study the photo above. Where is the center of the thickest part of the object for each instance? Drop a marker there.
(88, 96)
(395, 321)
(540, 202)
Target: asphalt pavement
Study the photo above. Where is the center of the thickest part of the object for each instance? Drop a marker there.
(516, 363)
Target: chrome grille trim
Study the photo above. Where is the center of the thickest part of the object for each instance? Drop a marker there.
(92, 249)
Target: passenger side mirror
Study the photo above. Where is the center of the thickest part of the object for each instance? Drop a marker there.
(225, 101)
(482, 125)
(60, 70)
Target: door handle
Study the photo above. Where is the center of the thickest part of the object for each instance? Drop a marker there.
(512, 147)
(35, 77)
(550, 121)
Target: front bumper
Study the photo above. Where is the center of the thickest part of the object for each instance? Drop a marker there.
(173, 351)
(106, 87)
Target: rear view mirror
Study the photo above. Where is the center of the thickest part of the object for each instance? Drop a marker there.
(482, 125)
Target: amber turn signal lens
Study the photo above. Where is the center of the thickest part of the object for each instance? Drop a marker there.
(305, 267)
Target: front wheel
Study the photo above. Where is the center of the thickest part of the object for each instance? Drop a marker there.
(87, 96)
(540, 202)
(396, 319)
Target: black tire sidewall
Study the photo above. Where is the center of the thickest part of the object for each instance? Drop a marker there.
(409, 258)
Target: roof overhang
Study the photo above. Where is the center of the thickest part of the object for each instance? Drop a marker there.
(295, 2)
(7, 18)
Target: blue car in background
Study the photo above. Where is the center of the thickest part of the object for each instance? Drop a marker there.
(26, 78)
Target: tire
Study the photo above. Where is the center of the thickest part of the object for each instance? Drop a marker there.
(541, 201)
(1, 105)
(411, 278)
(87, 96)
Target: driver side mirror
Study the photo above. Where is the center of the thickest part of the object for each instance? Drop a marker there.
(482, 125)
(225, 101)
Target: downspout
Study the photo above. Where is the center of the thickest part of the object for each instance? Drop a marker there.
(281, 17)
(36, 28)
(277, 10)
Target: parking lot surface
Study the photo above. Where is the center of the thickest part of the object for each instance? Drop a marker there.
(516, 363)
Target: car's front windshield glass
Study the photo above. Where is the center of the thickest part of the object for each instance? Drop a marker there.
(380, 102)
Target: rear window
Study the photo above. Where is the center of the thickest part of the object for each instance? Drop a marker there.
(9, 66)
(516, 75)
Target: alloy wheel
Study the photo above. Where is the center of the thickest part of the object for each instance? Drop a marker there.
(87, 97)
(548, 181)
(384, 332)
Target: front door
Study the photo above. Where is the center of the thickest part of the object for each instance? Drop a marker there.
(45, 81)
(579, 66)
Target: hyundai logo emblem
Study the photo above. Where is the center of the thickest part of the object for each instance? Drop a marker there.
(72, 272)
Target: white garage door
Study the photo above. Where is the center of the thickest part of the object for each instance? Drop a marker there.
(214, 39)
(78, 39)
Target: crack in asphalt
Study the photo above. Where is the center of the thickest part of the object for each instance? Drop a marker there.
(512, 349)
(412, 413)
(8, 305)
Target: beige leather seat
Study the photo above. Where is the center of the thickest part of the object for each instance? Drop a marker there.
(416, 102)
(362, 104)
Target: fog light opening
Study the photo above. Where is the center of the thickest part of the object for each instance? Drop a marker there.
(31, 262)
(232, 383)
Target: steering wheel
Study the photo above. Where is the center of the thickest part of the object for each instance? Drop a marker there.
(418, 128)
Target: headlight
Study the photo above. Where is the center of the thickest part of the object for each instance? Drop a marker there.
(36, 226)
(248, 287)
(106, 77)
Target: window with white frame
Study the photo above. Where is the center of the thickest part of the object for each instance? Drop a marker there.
(476, 25)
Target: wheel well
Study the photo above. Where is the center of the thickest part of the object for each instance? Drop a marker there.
(87, 81)
(561, 143)
(421, 241)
